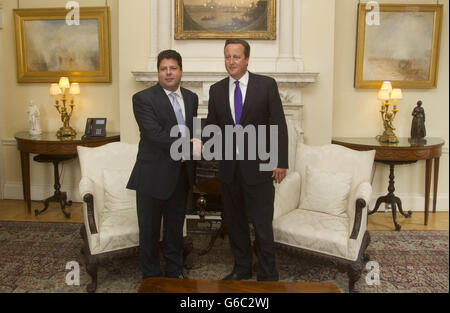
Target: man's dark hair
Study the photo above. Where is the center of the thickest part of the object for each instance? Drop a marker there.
(241, 42)
(170, 54)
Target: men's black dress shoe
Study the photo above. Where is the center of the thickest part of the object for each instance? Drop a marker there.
(238, 276)
(181, 276)
(152, 276)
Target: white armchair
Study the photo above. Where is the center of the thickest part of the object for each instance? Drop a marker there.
(321, 206)
(110, 227)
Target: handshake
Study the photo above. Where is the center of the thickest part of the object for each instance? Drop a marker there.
(197, 147)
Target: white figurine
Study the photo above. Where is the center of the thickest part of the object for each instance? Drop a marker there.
(33, 117)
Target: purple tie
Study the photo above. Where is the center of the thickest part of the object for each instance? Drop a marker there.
(237, 103)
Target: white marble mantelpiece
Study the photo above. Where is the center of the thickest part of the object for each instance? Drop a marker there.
(298, 79)
(290, 86)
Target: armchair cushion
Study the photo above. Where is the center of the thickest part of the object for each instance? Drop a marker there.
(336, 158)
(326, 191)
(117, 196)
(117, 231)
(316, 231)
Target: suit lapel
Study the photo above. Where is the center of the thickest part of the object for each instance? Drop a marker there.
(226, 96)
(187, 109)
(167, 106)
(248, 97)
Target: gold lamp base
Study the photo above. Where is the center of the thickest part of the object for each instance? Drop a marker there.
(388, 136)
(66, 132)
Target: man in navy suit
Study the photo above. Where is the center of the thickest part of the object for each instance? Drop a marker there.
(252, 100)
(160, 181)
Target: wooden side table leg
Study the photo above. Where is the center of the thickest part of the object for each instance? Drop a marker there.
(427, 188)
(25, 164)
(435, 185)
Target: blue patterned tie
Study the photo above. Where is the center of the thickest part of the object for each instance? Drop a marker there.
(237, 103)
(178, 113)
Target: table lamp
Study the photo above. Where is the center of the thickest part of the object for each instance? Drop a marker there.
(63, 106)
(385, 94)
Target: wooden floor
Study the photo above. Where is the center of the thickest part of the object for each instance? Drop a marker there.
(15, 210)
(174, 285)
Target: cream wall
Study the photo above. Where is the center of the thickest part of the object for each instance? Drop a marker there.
(315, 51)
(2, 121)
(96, 100)
(356, 111)
(317, 48)
(134, 51)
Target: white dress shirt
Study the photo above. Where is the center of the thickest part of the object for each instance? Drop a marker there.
(179, 99)
(243, 83)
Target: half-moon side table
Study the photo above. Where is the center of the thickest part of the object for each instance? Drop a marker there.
(400, 153)
(50, 144)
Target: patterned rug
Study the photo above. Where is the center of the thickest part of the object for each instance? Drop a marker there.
(33, 258)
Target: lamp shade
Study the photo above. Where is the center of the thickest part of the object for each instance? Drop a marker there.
(64, 82)
(396, 93)
(383, 94)
(54, 90)
(75, 89)
(387, 85)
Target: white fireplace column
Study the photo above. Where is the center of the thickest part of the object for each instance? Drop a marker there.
(161, 32)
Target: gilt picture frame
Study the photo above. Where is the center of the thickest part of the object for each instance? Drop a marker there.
(49, 44)
(400, 45)
(212, 19)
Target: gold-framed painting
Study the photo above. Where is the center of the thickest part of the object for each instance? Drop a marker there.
(398, 43)
(224, 19)
(51, 44)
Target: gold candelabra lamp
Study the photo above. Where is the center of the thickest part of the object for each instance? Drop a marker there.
(386, 94)
(64, 105)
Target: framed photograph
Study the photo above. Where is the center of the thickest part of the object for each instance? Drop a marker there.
(213, 19)
(51, 44)
(398, 43)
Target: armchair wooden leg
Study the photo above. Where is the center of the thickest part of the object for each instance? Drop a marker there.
(92, 268)
(366, 257)
(354, 273)
(188, 246)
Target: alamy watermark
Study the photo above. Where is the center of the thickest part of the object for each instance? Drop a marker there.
(73, 276)
(373, 16)
(73, 16)
(373, 276)
(213, 148)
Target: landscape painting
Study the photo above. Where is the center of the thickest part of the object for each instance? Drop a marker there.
(56, 47)
(403, 48)
(219, 19)
(50, 44)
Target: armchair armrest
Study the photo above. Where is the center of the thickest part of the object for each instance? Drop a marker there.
(86, 186)
(89, 199)
(362, 200)
(287, 195)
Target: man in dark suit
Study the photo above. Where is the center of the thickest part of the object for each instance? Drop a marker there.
(248, 99)
(162, 183)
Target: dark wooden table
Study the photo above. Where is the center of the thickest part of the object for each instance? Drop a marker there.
(48, 143)
(175, 285)
(401, 153)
